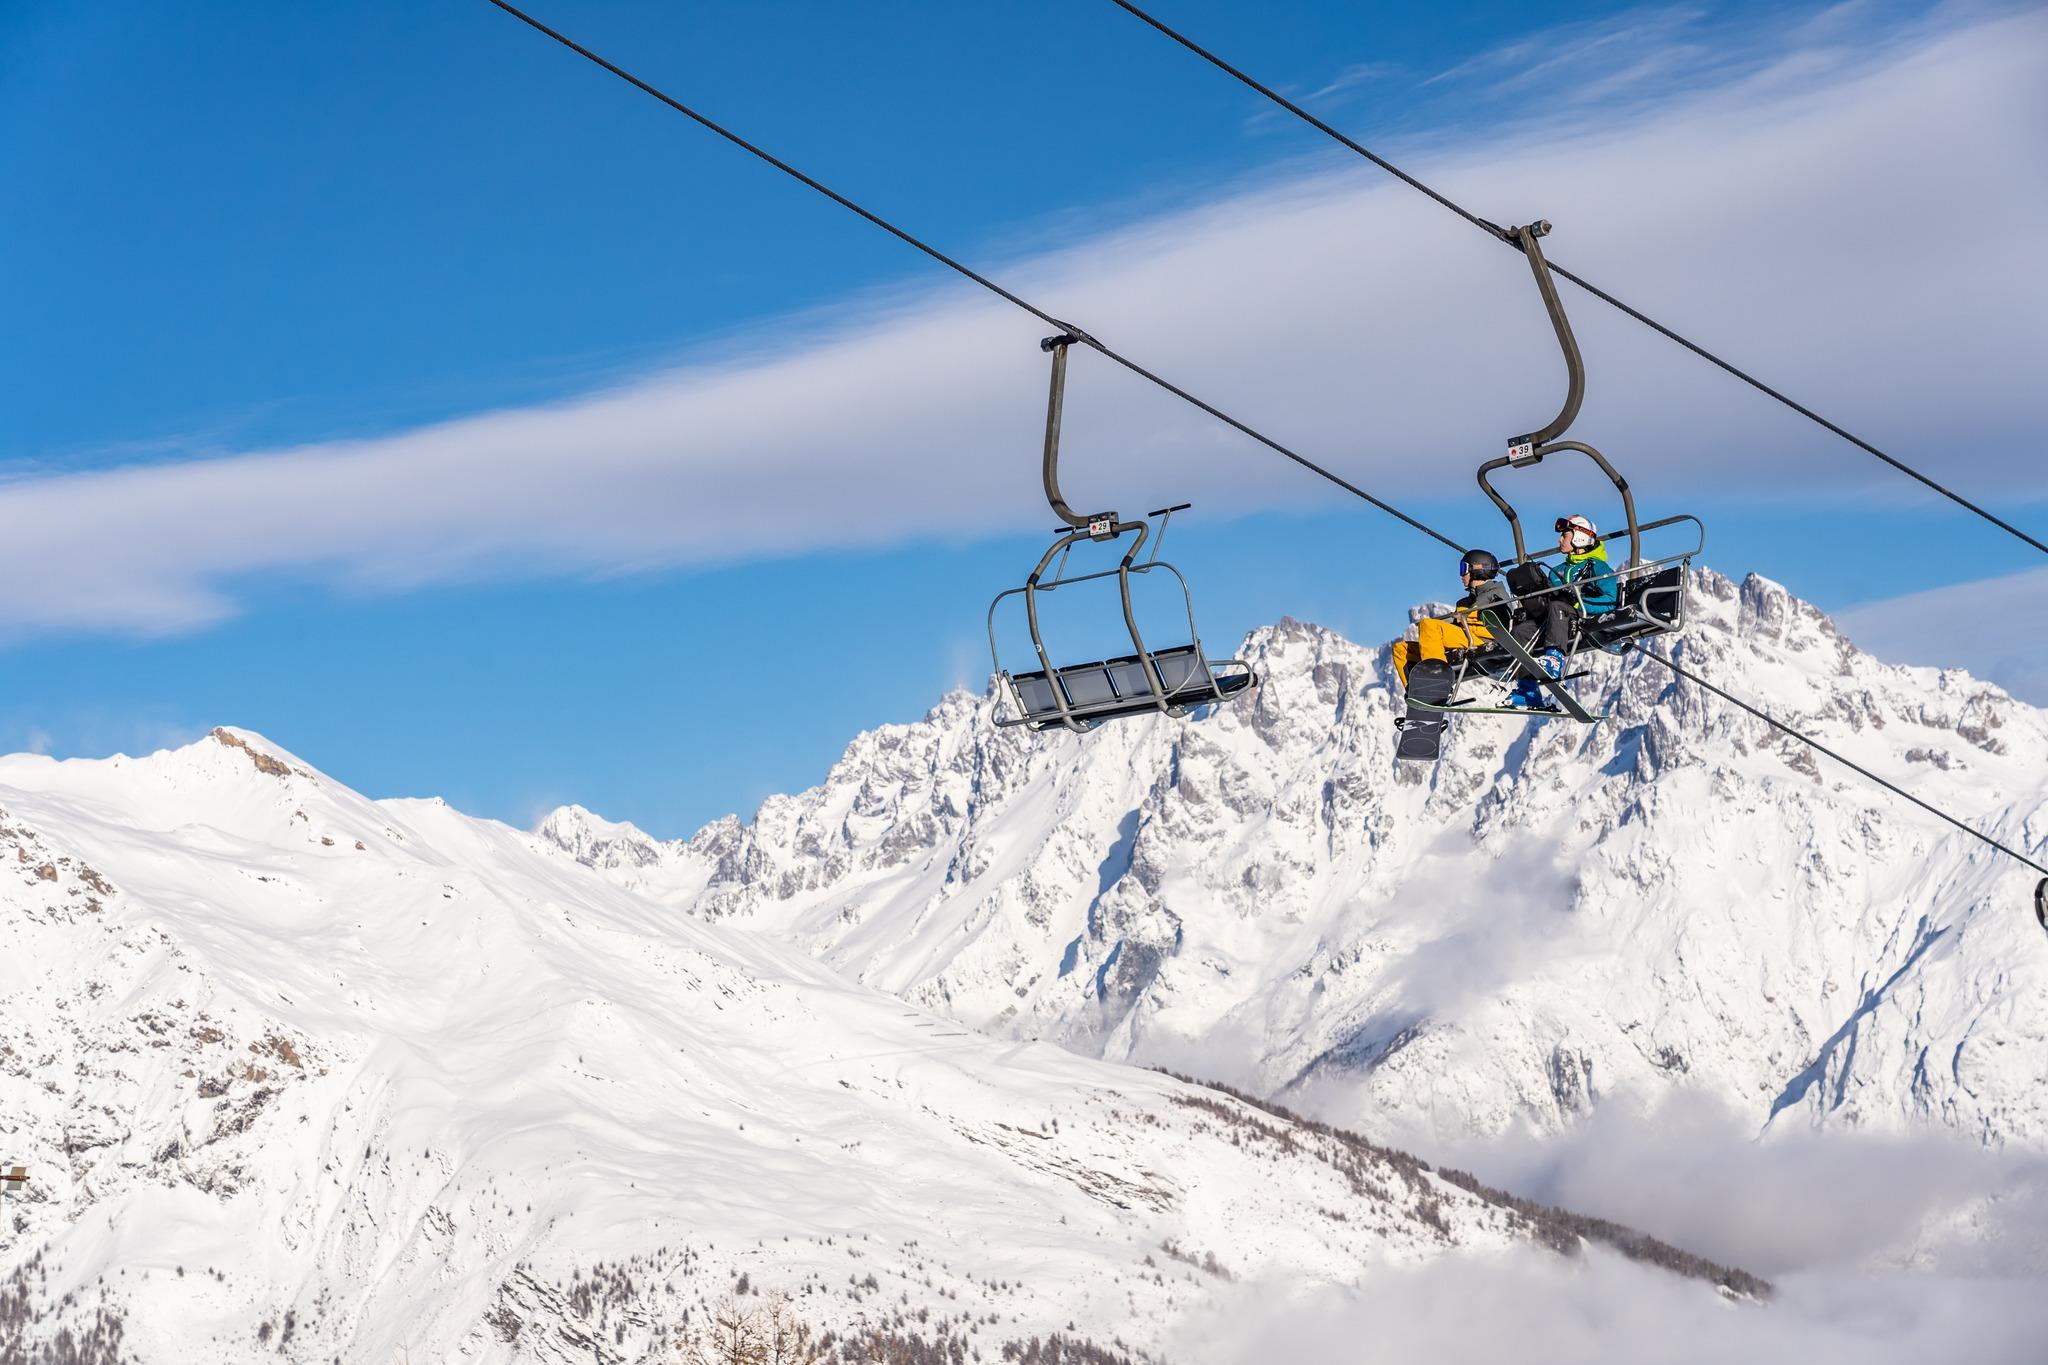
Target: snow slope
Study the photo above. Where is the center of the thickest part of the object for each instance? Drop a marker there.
(332, 1079)
(1677, 898)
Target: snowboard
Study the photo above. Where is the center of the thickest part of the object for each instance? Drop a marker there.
(1422, 729)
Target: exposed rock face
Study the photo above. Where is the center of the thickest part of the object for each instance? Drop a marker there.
(1676, 897)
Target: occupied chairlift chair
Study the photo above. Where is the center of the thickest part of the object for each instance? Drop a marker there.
(1079, 697)
(1651, 592)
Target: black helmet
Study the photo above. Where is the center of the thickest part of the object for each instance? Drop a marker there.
(1478, 565)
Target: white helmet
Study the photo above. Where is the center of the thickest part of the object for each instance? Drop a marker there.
(1585, 535)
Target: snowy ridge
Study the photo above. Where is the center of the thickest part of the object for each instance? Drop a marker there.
(1678, 897)
(306, 1075)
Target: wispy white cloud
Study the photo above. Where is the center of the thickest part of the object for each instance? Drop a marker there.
(1981, 626)
(92, 730)
(1554, 60)
(1339, 313)
(1651, 51)
(1351, 78)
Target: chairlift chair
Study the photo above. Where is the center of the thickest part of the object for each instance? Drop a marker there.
(1078, 697)
(1650, 593)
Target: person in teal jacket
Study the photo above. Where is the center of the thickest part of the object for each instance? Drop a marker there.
(1586, 569)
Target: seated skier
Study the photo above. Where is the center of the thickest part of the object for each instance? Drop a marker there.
(1585, 569)
(1435, 636)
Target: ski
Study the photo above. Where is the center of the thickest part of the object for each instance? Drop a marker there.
(1461, 708)
(1555, 686)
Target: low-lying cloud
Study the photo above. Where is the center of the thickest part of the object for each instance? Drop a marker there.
(1529, 1306)
(1792, 1200)
(1867, 239)
(1885, 1248)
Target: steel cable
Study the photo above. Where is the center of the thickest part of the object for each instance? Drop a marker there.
(1499, 233)
(1039, 313)
(1892, 787)
(1079, 334)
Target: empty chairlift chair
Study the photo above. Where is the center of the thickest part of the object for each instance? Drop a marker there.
(1173, 681)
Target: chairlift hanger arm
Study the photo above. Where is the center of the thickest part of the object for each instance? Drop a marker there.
(1530, 448)
(1099, 524)
(1529, 239)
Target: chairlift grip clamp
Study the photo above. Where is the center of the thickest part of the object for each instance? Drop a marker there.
(1169, 511)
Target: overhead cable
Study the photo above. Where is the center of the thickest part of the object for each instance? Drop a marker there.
(1892, 787)
(1082, 337)
(1501, 234)
(967, 272)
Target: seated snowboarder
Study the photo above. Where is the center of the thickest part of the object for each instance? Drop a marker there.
(1585, 568)
(1425, 671)
(1434, 636)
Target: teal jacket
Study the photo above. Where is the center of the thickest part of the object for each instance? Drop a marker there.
(1594, 577)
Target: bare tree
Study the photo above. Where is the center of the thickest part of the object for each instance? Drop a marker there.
(742, 1334)
(786, 1339)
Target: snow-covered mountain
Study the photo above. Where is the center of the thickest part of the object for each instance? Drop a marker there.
(305, 1076)
(1678, 897)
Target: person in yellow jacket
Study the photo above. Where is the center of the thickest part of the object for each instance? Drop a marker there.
(1433, 636)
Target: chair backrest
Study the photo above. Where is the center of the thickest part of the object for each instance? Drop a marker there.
(1086, 684)
(1129, 676)
(1660, 595)
(1035, 693)
(1181, 669)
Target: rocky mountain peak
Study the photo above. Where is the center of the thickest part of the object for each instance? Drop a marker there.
(1551, 913)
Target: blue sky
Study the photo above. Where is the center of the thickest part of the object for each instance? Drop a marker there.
(383, 379)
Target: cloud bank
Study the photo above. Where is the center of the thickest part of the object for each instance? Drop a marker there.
(1884, 1249)
(1531, 1308)
(1862, 231)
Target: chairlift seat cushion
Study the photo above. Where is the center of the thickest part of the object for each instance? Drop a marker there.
(1113, 688)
